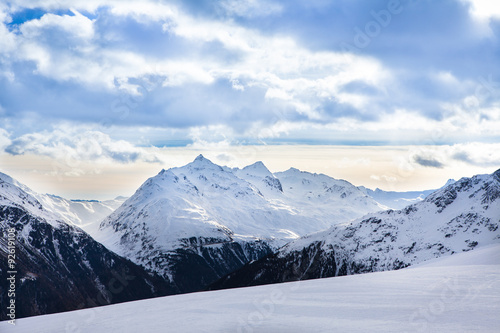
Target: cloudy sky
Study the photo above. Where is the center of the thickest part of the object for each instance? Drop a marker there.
(98, 95)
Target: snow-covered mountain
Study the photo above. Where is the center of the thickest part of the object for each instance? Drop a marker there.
(457, 218)
(398, 200)
(204, 217)
(86, 214)
(58, 266)
(81, 213)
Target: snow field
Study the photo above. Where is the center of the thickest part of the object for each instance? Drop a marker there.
(458, 293)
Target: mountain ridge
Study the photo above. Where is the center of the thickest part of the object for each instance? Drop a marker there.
(218, 215)
(457, 218)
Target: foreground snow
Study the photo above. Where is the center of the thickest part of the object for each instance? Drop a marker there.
(459, 293)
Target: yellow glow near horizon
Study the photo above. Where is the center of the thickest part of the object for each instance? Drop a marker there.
(390, 168)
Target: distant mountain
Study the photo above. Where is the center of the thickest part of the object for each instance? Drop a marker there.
(456, 218)
(398, 200)
(196, 223)
(58, 266)
(82, 213)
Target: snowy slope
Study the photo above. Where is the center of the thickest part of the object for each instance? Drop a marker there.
(81, 213)
(15, 194)
(460, 293)
(454, 219)
(225, 216)
(457, 218)
(321, 197)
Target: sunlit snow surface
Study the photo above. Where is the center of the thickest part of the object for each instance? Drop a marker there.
(458, 293)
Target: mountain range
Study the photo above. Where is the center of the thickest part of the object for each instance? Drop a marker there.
(205, 226)
(197, 223)
(454, 219)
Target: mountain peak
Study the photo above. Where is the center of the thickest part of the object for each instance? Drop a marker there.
(497, 174)
(201, 162)
(449, 182)
(200, 158)
(258, 167)
(256, 170)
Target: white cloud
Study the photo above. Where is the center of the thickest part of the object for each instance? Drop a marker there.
(77, 25)
(211, 136)
(457, 155)
(476, 154)
(384, 178)
(177, 73)
(73, 146)
(143, 10)
(250, 8)
(291, 80)
(7, 38)
(483, 11)
(276, 64)
(4, 138)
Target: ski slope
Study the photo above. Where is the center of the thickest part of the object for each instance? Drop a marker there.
(458, 293)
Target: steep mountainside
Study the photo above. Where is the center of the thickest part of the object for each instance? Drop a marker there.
(457, 218)
(211, 219)
(58, 266)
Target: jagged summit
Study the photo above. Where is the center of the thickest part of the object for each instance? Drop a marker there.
(260, 176)
(256, 165)
(497, 174)
(201, 162)
(449, 182)
(257, 169)
(200, 158)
